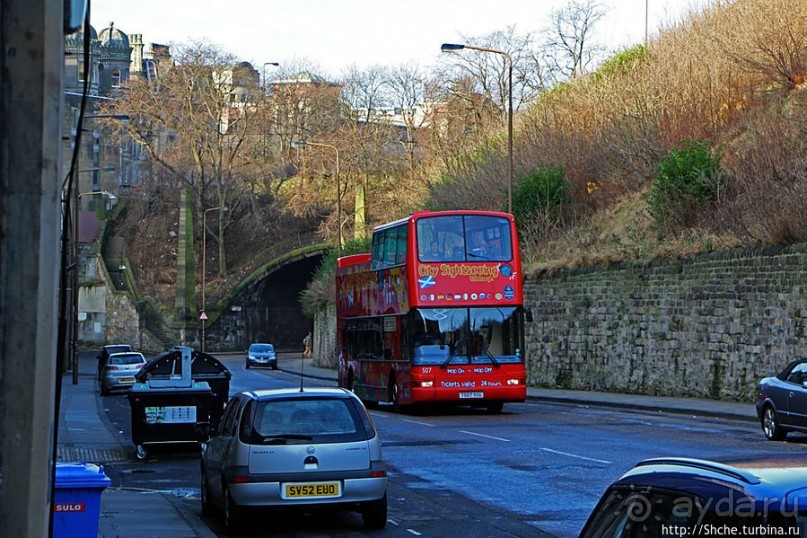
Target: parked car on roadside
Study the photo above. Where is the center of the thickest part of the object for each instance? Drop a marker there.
(120, 370)
(262, 355)
(782, 401)
(293, 448)
(106, 351)
(689, 497)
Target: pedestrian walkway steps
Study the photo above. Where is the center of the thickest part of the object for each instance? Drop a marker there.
(91, 455)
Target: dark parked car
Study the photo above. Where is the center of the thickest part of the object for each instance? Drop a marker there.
(262, 355)
(288, 448)
(782, 401)
(688, 497)
(106, 351)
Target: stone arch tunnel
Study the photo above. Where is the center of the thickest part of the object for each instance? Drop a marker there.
(268, 310)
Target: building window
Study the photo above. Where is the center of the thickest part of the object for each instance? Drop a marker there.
(116, 77)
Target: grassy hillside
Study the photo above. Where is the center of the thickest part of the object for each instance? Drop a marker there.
(731, 76)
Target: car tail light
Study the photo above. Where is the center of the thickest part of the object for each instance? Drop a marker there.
(240, 479)
(113, 367)
(378, 474)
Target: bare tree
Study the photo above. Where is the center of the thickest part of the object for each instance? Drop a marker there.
(302, 105)
(407, 85)
(490, 71)
(568, 47)
(195, 126)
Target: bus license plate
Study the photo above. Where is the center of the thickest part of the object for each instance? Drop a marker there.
(319, 489)
(468, 395)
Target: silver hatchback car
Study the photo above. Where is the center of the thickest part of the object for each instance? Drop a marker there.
(288, 448)
(120, 370)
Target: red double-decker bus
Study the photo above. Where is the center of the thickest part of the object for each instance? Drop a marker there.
(435, 313)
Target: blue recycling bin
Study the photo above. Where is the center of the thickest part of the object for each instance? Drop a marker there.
(77, 499)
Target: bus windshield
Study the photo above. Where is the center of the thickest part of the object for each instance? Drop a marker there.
(450, 336)
(460, 238)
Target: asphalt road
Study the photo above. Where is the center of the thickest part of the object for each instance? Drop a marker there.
(535, 470)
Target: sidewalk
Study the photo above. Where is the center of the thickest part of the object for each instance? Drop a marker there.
(662, 404)
(84, 436)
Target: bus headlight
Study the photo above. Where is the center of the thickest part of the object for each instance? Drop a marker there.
(427, 384)
(512, 382)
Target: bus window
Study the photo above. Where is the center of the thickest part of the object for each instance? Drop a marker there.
(441, 238)
(488, 238)
(389, 248)
(401, 246)
(496, 332)
(363, 339)
(438, 334)
(378, 250)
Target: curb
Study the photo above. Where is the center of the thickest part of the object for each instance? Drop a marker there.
(655, 408)
(645, 407)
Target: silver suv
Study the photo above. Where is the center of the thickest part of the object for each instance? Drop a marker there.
(294, 448)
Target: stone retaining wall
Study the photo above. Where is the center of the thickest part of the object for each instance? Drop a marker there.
(706, 326)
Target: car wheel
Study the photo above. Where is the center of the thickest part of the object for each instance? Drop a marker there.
(247, 365)
(274, 366)
(207, 508)
(233, 519)
(374, 514)
(770, 425)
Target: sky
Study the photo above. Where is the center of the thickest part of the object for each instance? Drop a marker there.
(335, 34)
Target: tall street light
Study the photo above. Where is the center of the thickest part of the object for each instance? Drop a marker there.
(273, 64)
(203, 315)
(76, 266)
(338, 189)
(450, 47)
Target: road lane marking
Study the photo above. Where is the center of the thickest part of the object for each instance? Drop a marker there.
(413, 531)
(418, 423)
(486, 436)
(573, 455)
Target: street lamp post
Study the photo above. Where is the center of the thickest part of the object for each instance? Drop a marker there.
(449, 47)
(338, 190)
(76, 268)
(203, 314)
(273, 64)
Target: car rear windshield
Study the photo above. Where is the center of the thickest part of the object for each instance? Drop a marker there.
(307, 420)
(117, 349)
(626, 512)
(126, 359)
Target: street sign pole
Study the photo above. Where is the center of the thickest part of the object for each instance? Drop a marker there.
(203, 318)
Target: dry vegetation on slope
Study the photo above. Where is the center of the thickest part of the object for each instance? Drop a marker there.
(733, 75)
